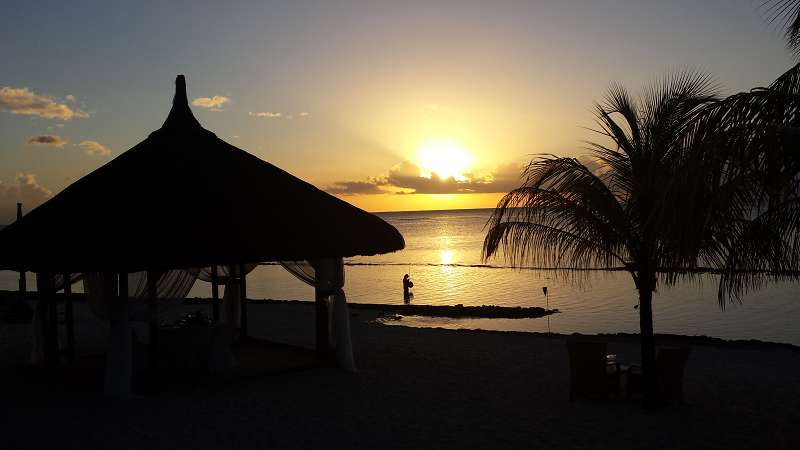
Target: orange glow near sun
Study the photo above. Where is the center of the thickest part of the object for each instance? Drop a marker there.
(445, 157)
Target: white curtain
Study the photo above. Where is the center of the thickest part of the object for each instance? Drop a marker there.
(303, 270)
(171, 287)
(101, 293)
(73, 278)
(231, 304)
(327, 276)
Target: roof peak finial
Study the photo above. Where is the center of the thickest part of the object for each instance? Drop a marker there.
(180, 91)
(180, 115)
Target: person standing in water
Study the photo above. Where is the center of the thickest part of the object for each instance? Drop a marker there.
(407, 285)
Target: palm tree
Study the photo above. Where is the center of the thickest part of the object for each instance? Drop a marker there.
(675, 191)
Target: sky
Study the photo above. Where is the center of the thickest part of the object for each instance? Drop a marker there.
(388, 105)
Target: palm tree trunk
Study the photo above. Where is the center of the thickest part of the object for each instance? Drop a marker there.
(648, 345)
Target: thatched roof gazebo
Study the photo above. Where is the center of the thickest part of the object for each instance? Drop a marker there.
(184, 198)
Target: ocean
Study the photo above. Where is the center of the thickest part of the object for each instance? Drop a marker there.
(443, 258)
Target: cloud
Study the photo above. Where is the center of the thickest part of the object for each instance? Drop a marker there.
(47, 139)
(26, 102)
(94, 148)
(278, 115)
(26, 190)
(213, 103)
(355, 188)
(594, 164)
(405, 178)
(267, 114)
(70, 98)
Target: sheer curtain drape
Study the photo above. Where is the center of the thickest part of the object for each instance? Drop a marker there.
(171, 287)
(327, 277)
(231, 302)
(101, 289)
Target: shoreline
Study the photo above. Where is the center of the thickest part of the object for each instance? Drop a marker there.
(452, 311)
(379, 311)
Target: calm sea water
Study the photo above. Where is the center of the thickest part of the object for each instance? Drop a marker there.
(442, 255)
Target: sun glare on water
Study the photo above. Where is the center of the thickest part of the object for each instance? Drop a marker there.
(444, 157)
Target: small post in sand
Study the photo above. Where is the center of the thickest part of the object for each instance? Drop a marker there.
(547, 307)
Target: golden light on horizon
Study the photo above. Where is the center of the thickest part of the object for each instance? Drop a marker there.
(444, 157)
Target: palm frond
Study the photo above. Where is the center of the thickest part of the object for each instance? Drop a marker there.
(562, 215)
(786, 14)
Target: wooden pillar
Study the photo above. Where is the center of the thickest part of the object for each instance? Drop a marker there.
(50, 319)
(23, 282)
(152, 323)
(323, 345)
(215, 292)
(243, 298)
(119, 359)
(69, 317)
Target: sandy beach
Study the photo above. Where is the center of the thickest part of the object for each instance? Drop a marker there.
(417, 388)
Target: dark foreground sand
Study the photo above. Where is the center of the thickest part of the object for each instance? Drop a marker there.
(418, 388)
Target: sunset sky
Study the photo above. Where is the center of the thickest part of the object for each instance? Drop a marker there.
(390, 105)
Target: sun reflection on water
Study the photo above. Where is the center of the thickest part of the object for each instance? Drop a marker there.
(446, 257)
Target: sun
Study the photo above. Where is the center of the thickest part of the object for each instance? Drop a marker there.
(444, 157)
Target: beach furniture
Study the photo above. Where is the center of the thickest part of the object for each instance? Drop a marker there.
(670, 365)
(589, 374)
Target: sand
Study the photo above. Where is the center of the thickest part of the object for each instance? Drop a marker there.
(418, 388)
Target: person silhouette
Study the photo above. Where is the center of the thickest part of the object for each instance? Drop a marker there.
(407, 285)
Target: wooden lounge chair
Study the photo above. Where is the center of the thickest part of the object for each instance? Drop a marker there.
(590, 376)
(670, 365)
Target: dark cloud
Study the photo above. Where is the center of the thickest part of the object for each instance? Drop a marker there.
(405, 178)
(47, 139)
(354, 188)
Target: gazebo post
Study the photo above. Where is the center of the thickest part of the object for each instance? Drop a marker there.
(118, 368)
(243, 299)
(215, 292)
(51, 319)
(23, 282)
(69, 317)
(152, 322)
(323, 345)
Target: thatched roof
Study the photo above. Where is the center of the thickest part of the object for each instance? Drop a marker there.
(185, 198)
